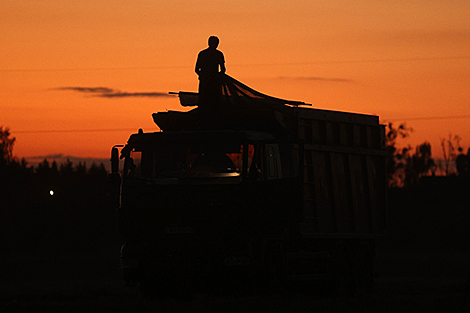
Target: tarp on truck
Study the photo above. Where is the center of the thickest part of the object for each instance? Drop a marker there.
(240, 107)
(236, 95)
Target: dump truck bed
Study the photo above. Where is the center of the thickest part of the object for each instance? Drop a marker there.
(344, 178)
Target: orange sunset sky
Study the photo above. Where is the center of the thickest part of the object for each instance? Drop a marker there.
(406, 61)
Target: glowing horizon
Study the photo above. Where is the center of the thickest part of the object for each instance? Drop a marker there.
(71, 70)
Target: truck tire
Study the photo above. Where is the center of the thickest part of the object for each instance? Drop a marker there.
(363, 270)
(172, 283)
(274, 267)
(150, 285)
(341, 271)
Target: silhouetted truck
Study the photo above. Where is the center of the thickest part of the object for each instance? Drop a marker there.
(257, 185)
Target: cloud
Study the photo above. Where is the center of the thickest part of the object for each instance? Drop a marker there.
(105, 92)
(315, 78)
(135, 94)
(99, 90)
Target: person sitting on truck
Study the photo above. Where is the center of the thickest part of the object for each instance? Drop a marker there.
(207, 68)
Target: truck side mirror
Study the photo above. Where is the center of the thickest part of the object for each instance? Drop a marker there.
(114, 160)
(114, 176)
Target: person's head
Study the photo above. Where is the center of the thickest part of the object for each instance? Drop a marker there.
(213, 42)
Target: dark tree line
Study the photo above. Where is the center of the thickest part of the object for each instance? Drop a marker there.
(69, 207)
(51, 207)
(462, 163)
(406, 166)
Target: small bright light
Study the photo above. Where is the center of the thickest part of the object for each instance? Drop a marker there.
(51, 192)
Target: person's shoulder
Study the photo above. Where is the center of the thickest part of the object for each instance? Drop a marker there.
(220, 53)
(205, 51)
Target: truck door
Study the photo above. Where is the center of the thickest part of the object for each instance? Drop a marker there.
(273, 162)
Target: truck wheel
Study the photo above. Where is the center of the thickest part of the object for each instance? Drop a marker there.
(363, 270)
(274, 267)
(341, 271)
(150, 285)
(172, 283)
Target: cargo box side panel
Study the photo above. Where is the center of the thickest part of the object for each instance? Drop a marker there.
(342, 193)
(344, 174)
(377, 192)
(360, 193)
(324, 192)
(309, 198)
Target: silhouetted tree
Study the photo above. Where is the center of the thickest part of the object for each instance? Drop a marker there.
(66, 169)
(448, 152)
(6, 145)
(462, 163)
(45, 169)
(419, 164)
(396, 157)
(81, 168)
(97, 170)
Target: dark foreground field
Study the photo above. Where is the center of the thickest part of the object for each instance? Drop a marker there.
(424, 281)
(423, 264)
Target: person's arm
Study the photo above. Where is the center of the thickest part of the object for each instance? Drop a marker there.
(222, 63)
(198, 66)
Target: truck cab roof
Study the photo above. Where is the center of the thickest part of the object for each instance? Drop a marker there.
(235, 135)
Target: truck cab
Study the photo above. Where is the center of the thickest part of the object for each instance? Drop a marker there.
(204, 199)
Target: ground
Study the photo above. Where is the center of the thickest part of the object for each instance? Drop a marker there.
(409, 281)
(422, 264)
